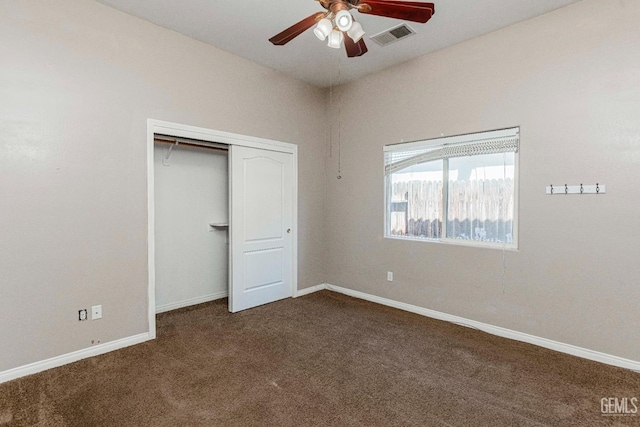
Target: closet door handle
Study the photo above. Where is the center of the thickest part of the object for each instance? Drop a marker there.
(288, 230)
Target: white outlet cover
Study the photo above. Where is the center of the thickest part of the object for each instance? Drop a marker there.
(96, 312)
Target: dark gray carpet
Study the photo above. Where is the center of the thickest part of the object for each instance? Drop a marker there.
(321, 360)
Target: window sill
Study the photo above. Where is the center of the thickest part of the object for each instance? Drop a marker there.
(511, 247)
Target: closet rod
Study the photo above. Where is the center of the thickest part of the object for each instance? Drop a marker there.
(190, 142)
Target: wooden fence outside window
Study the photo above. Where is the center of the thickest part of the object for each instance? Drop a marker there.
(479, 210)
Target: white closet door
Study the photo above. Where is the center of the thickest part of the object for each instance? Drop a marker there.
(261, 215)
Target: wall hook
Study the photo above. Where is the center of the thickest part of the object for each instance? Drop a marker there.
(578, 189)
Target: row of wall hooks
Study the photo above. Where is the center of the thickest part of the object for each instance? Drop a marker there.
(576, 189)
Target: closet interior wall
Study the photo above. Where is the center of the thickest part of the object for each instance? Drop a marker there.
(191, 193)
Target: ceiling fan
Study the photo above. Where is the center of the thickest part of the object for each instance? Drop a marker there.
(337, 25)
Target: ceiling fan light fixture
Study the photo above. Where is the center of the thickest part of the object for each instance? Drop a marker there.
(335, 39)
(343, 20)
(356, 32)
(323, 29)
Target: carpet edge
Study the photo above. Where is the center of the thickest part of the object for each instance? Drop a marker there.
(561, 347)
(64, 359)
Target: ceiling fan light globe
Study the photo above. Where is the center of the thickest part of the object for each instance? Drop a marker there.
(356, 32)
(323, 29)
(335, 39)
(343, 20)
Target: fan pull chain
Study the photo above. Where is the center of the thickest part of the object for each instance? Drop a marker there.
(330, 121)
(339, 124)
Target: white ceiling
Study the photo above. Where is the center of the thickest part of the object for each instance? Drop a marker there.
(244, 27)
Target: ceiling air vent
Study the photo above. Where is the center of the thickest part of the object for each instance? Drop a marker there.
(393, 34)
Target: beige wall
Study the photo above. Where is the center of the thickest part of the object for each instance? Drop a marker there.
(570, 80)
(78, 81)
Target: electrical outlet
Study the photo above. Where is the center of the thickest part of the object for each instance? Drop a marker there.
(96, 312)
(82, 315)
(389, 276)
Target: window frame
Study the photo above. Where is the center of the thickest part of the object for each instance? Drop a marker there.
(445, 142)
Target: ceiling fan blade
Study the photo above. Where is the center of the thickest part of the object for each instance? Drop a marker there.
(406, 3)
(354, 49)
(296, 29)
(405, 10)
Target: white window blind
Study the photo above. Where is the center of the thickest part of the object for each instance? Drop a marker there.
(401, 156)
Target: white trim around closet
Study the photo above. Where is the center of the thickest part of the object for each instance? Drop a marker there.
(213, 136)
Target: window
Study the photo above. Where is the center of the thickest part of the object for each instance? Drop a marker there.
(470, 180)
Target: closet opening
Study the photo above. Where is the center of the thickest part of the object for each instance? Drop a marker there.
(191, 221)
(222, 218)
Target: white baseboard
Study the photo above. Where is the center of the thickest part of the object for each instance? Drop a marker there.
(309, 290)
(54, 362)
(491, 329)
(191, 301)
